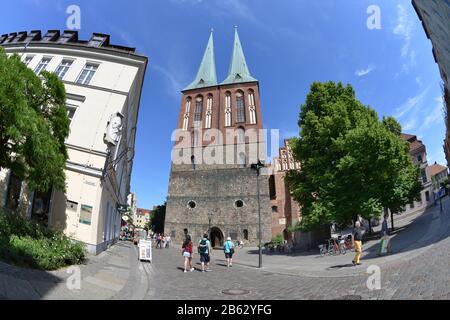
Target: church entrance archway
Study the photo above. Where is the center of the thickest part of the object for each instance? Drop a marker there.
(216, 237)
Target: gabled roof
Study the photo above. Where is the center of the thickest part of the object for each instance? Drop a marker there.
(408, 137)
(206, 75)
(436, 169)
(238, 71)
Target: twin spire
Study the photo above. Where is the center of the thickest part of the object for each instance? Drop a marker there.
(237, 73)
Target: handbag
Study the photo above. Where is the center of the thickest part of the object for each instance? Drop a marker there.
(232, 250)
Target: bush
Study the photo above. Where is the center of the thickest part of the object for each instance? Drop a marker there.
(278, 240)
(25, 243)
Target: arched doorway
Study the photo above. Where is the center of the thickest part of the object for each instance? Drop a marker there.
(216, 237)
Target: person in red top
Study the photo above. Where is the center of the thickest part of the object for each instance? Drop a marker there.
(187, 253)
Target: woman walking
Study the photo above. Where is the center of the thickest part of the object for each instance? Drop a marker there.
(187, 253)
(228, 248)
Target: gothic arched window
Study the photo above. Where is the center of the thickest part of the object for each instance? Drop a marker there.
(251, 106)
(209, 103)
(198, 111)
(228, 109)
(186, 113)
(240, 107)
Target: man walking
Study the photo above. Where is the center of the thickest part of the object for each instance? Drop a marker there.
(357, 243)
(228, 248)
(385, 244)
(204, 249)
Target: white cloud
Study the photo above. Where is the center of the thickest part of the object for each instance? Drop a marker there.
(410, 124)
(435, 116)
(404, 28)
(174, 81)
(412, 104)
(363, 72)
(419, 81)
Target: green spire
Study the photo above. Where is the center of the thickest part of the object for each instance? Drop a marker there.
(238, 71)
(206, 75)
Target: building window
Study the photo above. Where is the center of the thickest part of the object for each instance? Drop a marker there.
(192, 204)
(228, 109)
(71, 112)
(274, 209)
(419, 158)
(427, 195)
(186, 114)
(272, 190)
(28, 60)
(424, 176)
(251, 106)
(96, 41)
(411, 205)
(240, 107)
(209, 103)
(63, 68)
(71, 205)
(239, 203)
(42, 65)
(245, 234)
(87, 73)
(193, 162)
(198, 112)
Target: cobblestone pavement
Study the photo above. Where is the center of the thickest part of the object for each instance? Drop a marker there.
(418, 270)
(421, 272)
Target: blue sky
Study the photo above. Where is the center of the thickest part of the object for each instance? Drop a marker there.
(288, 45)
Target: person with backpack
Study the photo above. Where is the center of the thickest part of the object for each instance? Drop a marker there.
(228, 248)
(188, 253)
(204, 249)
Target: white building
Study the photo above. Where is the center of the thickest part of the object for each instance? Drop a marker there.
(103, 84)
(418, 153)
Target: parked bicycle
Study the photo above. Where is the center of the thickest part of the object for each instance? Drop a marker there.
(333, 247)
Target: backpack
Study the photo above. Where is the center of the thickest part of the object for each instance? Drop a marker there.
(202, 247)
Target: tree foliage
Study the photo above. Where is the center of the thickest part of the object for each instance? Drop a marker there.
(33, 124)
(352, 163)
(157, 219)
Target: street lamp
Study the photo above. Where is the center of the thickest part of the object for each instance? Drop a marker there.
(257, 167)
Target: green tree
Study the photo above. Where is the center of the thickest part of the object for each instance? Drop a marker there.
(392, 125)
(33, 124)
(352, 163)
(157, 219)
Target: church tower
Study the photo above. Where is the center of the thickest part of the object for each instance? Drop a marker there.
(212, 187)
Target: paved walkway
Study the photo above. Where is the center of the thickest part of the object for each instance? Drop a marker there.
(114, 274)
(419, 232)
(419, 270)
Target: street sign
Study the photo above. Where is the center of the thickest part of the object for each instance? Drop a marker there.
(145, 250)
(122, 208)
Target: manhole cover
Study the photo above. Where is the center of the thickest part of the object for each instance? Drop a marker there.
(235, 292)
(350, 297)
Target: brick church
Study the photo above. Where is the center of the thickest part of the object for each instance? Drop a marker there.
(212, 186)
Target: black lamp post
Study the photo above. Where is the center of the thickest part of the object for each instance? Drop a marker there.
(257, 167)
